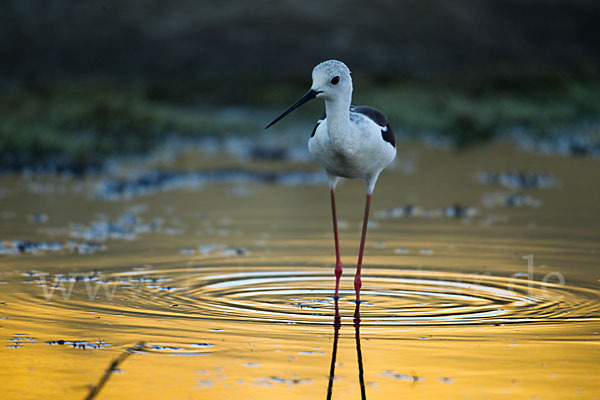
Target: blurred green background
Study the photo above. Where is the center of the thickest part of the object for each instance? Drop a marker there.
(84, 80)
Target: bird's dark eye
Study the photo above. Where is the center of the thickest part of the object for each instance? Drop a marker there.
(335, 80)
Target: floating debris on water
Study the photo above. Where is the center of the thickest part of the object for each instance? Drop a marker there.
(154, 181)
(311, 353)
(152, 283)
(164, 348)
(518, 180)
(85, 248)
(265, 148)
(80, 344)
(251, 364)
(409, 378)
(206, 249)
(76, 277)
(127, 226)
(271, 380)
(194, 349)
(27, 247)
(236, 252)
(586, 144)
(24, 246)
(412, 211)
(20, 339)
(204, 383)
(491, 200)
(201, 345)
(168, 288)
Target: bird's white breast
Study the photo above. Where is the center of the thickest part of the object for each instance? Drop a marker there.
(356, 150)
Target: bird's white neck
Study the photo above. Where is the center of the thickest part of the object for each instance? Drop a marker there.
(338, 115)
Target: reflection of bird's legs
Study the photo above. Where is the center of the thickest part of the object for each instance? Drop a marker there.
(336, 332)
(361, 378)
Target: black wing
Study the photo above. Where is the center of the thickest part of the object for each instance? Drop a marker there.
(317, 125)
(380, 119)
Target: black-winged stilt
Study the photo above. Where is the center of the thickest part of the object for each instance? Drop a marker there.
(349, 142)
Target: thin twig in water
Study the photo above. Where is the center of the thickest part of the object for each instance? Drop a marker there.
(113, 366)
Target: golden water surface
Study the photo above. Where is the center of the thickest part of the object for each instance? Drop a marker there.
(231, 292)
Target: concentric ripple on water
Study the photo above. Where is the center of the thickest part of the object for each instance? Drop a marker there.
(390, 296)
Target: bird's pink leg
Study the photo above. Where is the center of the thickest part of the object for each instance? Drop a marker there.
(338, 260)
(357, 279)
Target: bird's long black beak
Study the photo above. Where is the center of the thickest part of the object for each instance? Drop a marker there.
(311, 94)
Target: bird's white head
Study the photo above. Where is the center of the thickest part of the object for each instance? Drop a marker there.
(331, 79)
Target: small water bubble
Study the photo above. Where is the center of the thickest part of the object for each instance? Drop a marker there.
(204, 383)
(251, 364)
(310, 353)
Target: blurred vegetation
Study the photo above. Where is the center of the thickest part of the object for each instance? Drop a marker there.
(86, 81)
(80, 126)
(477, 114)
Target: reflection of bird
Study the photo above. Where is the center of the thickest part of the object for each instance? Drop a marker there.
(361, 371)
(337, 323)
(349, 142)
